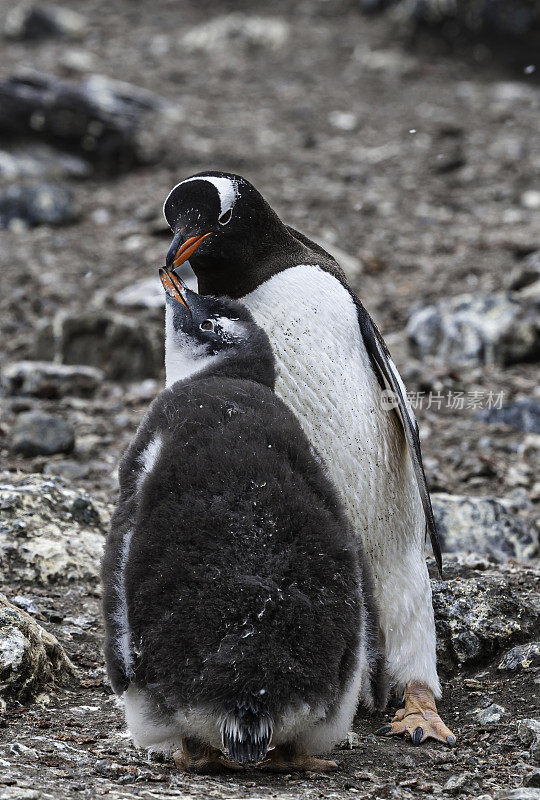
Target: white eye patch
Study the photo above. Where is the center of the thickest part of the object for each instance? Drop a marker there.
(231, 329)
(227, 190)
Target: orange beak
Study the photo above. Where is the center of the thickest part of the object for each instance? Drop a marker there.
(188, 248)
(173, 286)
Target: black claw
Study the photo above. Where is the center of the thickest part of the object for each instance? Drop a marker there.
(451, 741)
(384, 729)
(417, 736)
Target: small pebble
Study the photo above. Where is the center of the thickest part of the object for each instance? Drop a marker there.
(491, 715)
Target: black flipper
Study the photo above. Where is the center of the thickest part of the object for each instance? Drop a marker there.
(389, 379)
(122, 521)
(110, 568)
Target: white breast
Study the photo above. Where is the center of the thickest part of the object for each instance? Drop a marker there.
(325, 376)
(183, 357)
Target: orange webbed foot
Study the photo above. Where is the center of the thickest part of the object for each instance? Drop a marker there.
(419, 720)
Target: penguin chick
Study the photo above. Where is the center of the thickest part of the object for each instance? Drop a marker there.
(240, 623)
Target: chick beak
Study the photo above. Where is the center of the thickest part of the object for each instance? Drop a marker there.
(173, 286)
(181, 250)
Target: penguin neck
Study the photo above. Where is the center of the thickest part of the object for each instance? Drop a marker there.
(275, 250)
(250, 364)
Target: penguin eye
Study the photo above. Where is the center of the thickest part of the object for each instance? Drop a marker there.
(207, 325)
(226, 217)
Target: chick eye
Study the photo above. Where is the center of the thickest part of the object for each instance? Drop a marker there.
(207, 325)
(226, 217)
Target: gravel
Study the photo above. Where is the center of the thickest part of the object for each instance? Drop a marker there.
(416, 163)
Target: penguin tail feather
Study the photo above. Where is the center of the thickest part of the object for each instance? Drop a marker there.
(246, 732)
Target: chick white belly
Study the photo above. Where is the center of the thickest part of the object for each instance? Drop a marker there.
(325, 376)
(314, 728)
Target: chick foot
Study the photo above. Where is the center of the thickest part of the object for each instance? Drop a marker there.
(203, 759)
(285, 758)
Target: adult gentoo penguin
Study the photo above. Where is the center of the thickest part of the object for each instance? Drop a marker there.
(240, 622)
(335, 372)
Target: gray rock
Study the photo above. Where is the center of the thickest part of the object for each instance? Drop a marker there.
(531, 199)
(75, 61)
(143, 392)
(27, 604)
(526, 273)
(38, 434)
(518, 794)
(458, 784)
(522, 414)
(490, 715)
(529, 734)
(20, 793)
(124, 348)
(48, 533)
(477, 329)
(225, 35)
(522, 657)
(30, 657)
(67, 469)
(40, 162)
(477, 617)
(395, 62)
(111, 124)
(532, 779)
(371, 6)
(51, 381)
(483, 525)
(35, 21)
(513, 18)
(353, 740)
(531, 293)
(19, 749)
(37, 204)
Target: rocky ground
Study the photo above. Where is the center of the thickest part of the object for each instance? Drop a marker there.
(418, 166)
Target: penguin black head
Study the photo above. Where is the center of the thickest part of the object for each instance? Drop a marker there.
(203, 331)
(221, 223)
